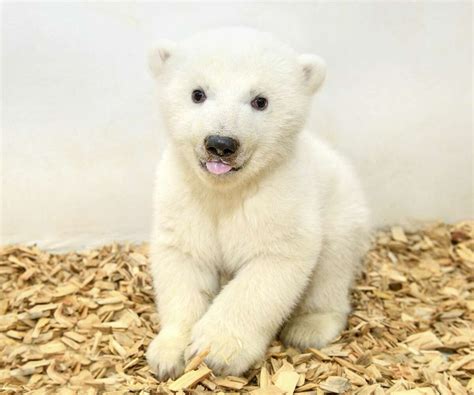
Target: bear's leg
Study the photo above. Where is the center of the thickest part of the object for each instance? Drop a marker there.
(183, 293)
(246, 314)
(322, 313)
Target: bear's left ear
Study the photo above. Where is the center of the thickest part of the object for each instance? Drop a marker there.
(160, 55)
(314, 71)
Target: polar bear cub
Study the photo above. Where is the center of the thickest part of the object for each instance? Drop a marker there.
(243, 192)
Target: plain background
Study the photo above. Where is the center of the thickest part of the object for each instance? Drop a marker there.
(81, 134)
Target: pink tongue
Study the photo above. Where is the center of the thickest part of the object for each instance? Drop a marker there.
(218, 167)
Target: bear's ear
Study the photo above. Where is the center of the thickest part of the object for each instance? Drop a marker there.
(314, 71)
(160, 55)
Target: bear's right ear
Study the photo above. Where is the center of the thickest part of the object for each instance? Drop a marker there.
(160, 55)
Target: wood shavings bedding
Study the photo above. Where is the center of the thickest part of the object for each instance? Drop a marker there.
(80, 323)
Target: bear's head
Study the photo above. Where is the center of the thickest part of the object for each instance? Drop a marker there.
(234, 101)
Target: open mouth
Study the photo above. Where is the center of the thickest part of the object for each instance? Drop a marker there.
(218, 167)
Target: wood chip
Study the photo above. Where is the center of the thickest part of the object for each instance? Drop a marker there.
(111, 300)
(398, 234)
(335, 384)
(424, 341)
(54, 347)
(287, 381)
(319, 354)
(71, 343)
(189, 379)
(228, 383)
(64, 290)
(197, 360)
(75, 336)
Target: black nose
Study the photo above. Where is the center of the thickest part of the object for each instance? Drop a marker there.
(221, 145)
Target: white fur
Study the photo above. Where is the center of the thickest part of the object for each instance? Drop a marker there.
(289, 228)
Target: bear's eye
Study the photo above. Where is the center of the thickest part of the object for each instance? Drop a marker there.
(259, 103)
(198, 96)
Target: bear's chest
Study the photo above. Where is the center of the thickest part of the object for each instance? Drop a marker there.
(251, 229)
(238, 240)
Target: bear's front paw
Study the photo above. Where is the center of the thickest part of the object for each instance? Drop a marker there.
(230, 352)
(165, 355)
(313, 330)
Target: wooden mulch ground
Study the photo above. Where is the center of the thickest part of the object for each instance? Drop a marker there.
(79, 323)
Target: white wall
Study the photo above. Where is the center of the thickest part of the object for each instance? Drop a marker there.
(81, 135)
